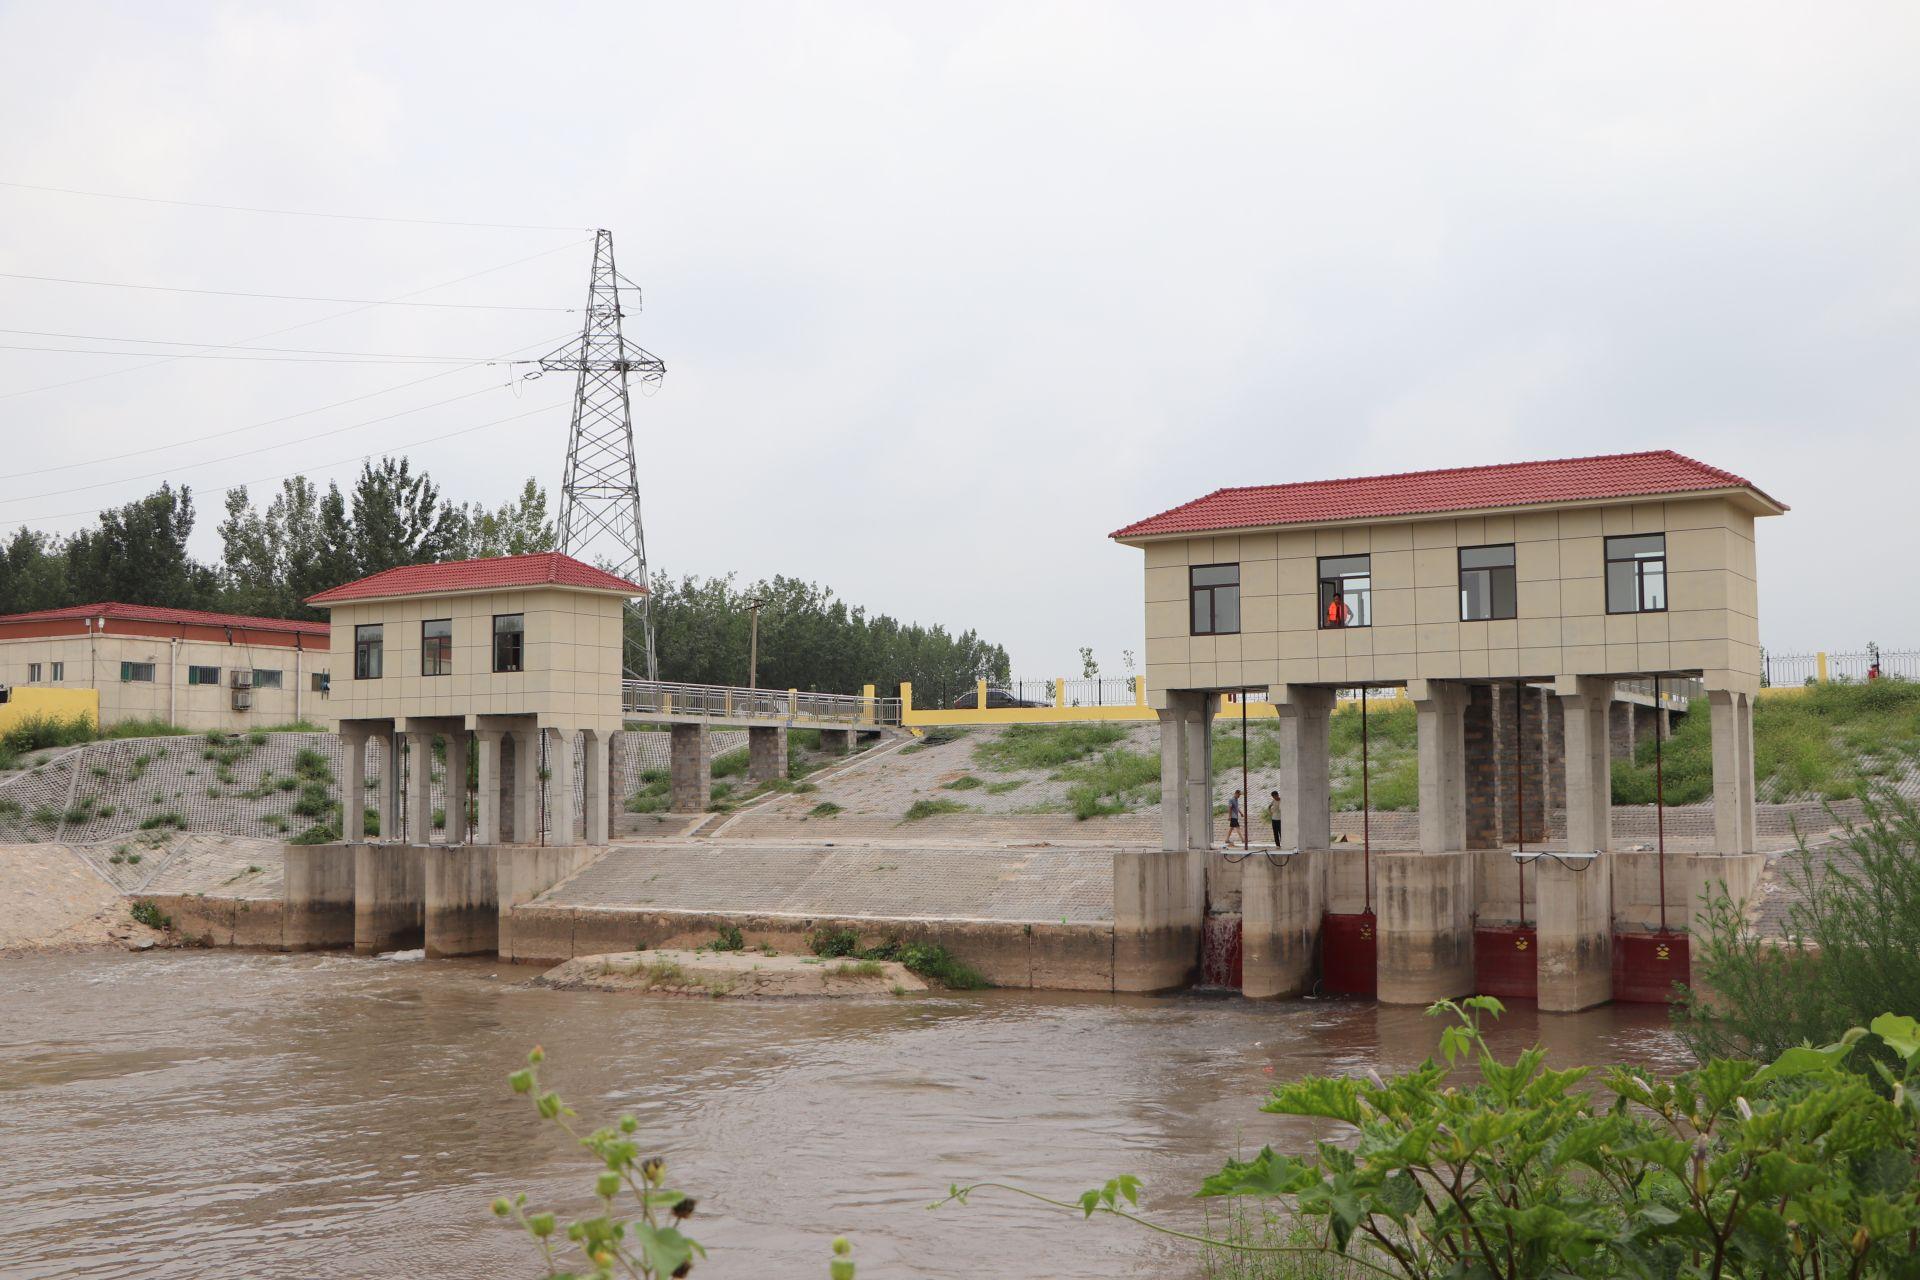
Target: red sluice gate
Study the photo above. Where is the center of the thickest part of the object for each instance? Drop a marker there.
(1349, 954)
(1506, 961)
(1646, 965)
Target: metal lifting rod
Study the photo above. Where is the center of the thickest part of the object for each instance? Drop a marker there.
(1366, 809)
(1659, 805)
(1520, 791)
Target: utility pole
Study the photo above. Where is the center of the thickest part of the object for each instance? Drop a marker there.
(600, 495)
(753, 643)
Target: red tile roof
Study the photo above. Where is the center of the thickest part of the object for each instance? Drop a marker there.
(1511, 484)
(169, 617)
(543, 568)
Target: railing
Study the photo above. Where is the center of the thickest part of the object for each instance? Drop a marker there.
(1093, 691)
(711, 701)
(1785, 670)
(1676, 692)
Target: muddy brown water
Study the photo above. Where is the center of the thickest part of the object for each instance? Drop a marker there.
(191, 1114)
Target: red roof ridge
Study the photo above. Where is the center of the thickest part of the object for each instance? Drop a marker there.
(168, 614)
(489, 573)
(1401, 492)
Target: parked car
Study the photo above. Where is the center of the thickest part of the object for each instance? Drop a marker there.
(996, 698)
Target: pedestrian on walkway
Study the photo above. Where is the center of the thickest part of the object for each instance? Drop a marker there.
(1233, 821)
(1273, 816)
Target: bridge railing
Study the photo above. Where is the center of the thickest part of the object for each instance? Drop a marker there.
(667, 698)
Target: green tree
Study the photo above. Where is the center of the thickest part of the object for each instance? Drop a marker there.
(33, 573)
(517, 528)
(138, 555)
(399, 518)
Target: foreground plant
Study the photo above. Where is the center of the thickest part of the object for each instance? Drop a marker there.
(1799, 1168)
(636, 1232)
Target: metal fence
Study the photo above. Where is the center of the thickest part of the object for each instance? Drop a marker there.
(1096, 691)
(1786, 669)
(665, 698)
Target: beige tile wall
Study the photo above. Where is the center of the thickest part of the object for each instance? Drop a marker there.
(1562, 627)
(571, 675)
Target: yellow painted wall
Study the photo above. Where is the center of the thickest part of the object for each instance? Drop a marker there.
(27, 703)
(1139, 713)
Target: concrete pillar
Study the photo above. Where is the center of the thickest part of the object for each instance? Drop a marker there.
(319, 904)
(390, 788)
(1748, 816)
(1440, 720)
(526, 786)
(353, 783)
(1197, 726)
(1305, 714)
(455, 786)
(419, 766)
(1584, 703)
(766, 753)
(1623, 720)
(1159, 910)
(1280, 909)
(1425, 909)
(389, 897)
(1482, 765)
(1573, 924)
(561, 828)
(594, 778)
(462, 904)
(835, 742)
(690, 768)
(1732, 772)
(486, 818)
(1173, 773)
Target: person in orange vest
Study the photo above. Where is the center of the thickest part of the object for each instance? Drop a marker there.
(1338, 615)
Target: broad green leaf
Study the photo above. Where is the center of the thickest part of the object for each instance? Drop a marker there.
(1267, 1174)
(1901, 1033)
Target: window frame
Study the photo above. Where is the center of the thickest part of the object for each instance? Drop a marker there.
(1320, 599)
(198, 681)
(130, 673)
(1212, 590)
(369, 653)
(519, 634)
(442, 650)
(1511, 568)
(33, 673)
(276, 672)
(1639, 563)
(59, 673)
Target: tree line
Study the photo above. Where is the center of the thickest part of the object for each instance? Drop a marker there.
(306, 539)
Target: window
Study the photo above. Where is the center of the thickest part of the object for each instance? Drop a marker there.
(509, 641)
(436, 647)
(33, 673)
(367, 649)
(1637, 573)
(1486, 583)
(1214, 597)
(203, 675)
(320, 683)
(1346, 591)
(266, 679)
(59, 672)
(142, 671)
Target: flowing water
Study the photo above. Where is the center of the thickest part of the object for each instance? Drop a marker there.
(194, 1114)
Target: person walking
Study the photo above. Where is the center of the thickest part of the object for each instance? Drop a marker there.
(1273, 816)
(1233, 821)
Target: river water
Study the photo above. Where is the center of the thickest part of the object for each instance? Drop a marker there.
(191, 1114)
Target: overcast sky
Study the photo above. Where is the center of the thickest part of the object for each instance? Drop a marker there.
(945, 296)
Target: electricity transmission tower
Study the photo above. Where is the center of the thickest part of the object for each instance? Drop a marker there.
(600, 498)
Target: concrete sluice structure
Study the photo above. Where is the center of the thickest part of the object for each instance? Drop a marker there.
(1483, 592)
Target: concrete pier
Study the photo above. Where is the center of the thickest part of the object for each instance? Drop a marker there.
(462, 904)
(690, 768)
(1159, 909)
(319, 911)
(766, 753)
(521, 874)
(1574, 931)
(389, 897)
(1280, 908)
(1426, 934)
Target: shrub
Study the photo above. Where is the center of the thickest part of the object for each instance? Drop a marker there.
(257, 737)
(928, 960)
(921, 809)
(730, 763)
(965, 782)
(36, 732)
(315, 800)
(45, 816)
(1045, 746)
(369, 822)
(439, 819)
(318, 833)
(147, 912)
(825, 809)
(311, 766)
(144, 728)
(160, 821)
(9, 807)
(1116, 782)
(728, 939)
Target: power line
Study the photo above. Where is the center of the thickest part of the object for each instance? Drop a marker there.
(285, 297)
(286, 213)
(236, 346)
(324, 466)
(255, 426)
(238, 354)
(274, 333)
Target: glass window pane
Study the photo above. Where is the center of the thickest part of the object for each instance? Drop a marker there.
(1216, 575)
(1339, 566)
(1226, 610)
(1505, 593)
(1359, 598)
(1650, 544)
(1622, 593)
(1653, 584)
(1486, 557)
(1476, 595)
(1202, 612)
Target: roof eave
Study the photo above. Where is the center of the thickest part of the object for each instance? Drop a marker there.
(321, 602)
(1756, 501)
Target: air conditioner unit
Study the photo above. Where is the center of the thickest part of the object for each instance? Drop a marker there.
(243, 677)
(243, 699)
